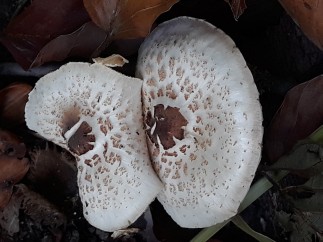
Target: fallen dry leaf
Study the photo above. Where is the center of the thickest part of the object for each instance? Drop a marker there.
(102, 12)
(12, 170)
(13, 165)
(13, 99)
(126, 19)
(81, 43)
(237, 7)
(11, 145)
(111, 61)
(55, 30)
(49, 31)
(309, 16)
(299, 115)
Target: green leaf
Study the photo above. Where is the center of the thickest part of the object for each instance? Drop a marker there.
(317, 136)
(207, 233)
(314, 183)
(311, 204)
(303, 157)
(301, 226)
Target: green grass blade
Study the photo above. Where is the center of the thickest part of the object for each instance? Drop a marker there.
(241, 224)
(207, 233)
(259, 188)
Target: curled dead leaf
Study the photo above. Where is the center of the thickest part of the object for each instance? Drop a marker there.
(126, 19)
(299, 115)
(55, 30)
(13, 99)
(48, 31)
(111, 61)
(309, 16)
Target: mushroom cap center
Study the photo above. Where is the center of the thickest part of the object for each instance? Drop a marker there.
(166, 124)
(79, 142)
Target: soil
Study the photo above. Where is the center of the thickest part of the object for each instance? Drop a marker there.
(49, 209)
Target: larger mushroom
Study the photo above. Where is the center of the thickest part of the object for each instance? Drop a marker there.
(203, 120)
(96, 114)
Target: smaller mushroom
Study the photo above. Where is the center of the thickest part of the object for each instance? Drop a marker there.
(203, 120)
(96, 113)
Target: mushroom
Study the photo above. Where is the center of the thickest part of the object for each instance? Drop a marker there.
(96, 113)
(203, 120)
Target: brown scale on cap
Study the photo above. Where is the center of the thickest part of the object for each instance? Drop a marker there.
(79, 141)
(169, 124)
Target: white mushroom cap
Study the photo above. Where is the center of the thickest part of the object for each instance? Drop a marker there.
(96, 114)
(203, 120)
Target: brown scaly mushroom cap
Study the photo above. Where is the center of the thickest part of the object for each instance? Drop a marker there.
(203, 120)
(96, 114)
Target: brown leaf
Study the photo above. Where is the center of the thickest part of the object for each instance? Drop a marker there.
(300, 114)
(309, 16)
(12, 170)
(29, 36)
(237, 7)
(5, 194)
(11, 145)
(126, 19)
(13, 165)
(55, 30)
(80, 43)
(102, 12)
(13, 99)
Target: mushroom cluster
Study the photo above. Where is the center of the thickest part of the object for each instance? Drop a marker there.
(194, 141)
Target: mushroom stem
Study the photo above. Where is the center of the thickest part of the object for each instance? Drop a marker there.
(68, 134)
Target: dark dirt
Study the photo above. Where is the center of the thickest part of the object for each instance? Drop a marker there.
(279, 56)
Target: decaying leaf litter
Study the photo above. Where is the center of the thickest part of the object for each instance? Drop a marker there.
(263, 91)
